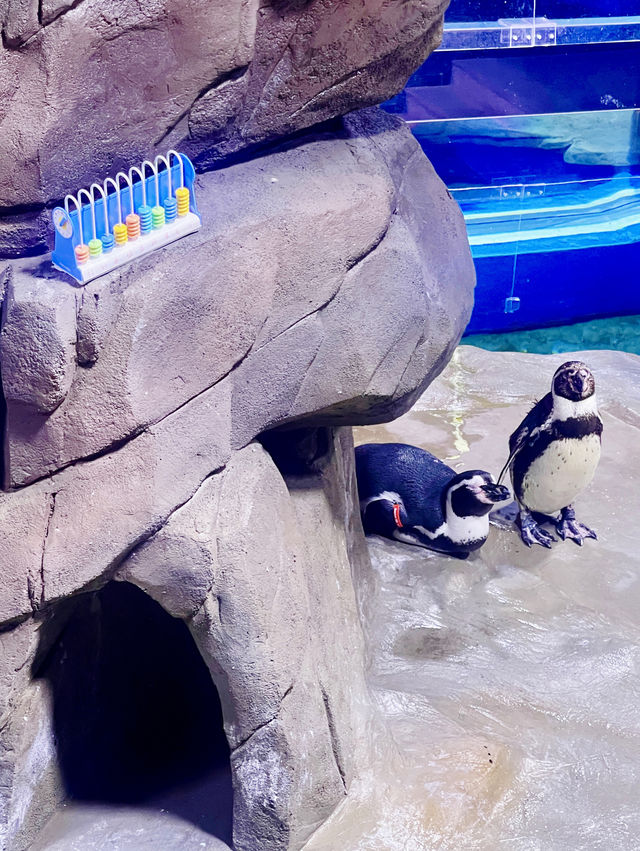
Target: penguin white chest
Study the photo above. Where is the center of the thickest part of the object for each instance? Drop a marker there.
(558, 474)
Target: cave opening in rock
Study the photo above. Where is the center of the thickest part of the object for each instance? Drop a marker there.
(137, 718)
(298, 452)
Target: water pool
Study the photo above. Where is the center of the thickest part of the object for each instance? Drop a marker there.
(553, 253)
(621, 333)
(541, 149)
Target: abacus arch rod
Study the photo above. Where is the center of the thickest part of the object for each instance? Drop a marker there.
(181, 161)
(119, 176)
(155, 174)
(78, 207)
(96, 187)
(142, 182)
(117, 189)
(166, 162)
(93, 209)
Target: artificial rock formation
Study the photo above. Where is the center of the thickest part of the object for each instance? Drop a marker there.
(87, 90)
(177, 424)
(261, 575)
(356, 322)
(326, 288)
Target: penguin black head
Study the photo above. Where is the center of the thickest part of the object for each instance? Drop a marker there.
(574, 381)
(473, 494)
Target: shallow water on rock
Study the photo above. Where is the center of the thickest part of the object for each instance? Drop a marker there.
(510, 680)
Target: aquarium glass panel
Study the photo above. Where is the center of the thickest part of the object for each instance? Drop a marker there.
(552, 253)
(469, 84)
(491, 24)
(541, 149)
(489, 10)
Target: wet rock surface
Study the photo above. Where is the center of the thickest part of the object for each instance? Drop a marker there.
(510, 681)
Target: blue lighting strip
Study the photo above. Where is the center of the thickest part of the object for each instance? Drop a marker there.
(543, 223)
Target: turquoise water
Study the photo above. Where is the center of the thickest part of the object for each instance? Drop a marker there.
(541, 149)
(619, 332)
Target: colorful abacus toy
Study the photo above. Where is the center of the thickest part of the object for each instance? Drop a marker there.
(108, 225)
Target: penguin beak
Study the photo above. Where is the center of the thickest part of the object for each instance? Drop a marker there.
(496, 493)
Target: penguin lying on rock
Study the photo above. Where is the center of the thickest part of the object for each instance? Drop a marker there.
(409, 495)
(554, 453)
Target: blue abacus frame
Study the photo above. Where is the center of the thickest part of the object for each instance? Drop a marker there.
(72, 226)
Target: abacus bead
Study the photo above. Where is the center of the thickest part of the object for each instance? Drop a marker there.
(182, 198)
(120, 233)
(82, 253)
(146, 223)
(107, 242)
(158, 217)
(95, 247)
(170, 209)
(133, 226)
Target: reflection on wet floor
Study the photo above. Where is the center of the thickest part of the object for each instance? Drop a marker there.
(509, 682)
(428, 643)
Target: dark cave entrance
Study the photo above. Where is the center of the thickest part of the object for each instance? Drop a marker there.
(137, 718)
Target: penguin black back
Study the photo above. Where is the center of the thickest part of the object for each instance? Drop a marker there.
(410, 495)
(383, 467)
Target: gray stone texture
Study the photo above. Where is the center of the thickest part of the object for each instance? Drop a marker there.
(29, 775)
(29, 780)
(38, 368)
(328, 285)
(88, 88)
(77, 525)
(261, 572)
(329, 282)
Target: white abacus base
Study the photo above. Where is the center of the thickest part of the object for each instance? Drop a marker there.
(146, 243)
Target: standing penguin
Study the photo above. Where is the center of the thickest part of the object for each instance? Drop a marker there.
(553, 456)
(409, 495)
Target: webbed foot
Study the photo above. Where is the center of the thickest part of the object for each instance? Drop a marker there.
(568, 527)
(531, 533)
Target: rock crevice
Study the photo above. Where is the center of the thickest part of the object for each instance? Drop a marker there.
(264, 724)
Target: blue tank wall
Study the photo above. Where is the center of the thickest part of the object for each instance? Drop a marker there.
(556, 288)
(562, 116)
(492, 10)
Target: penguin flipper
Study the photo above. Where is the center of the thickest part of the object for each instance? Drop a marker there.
(383, 517)
(533, 420)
